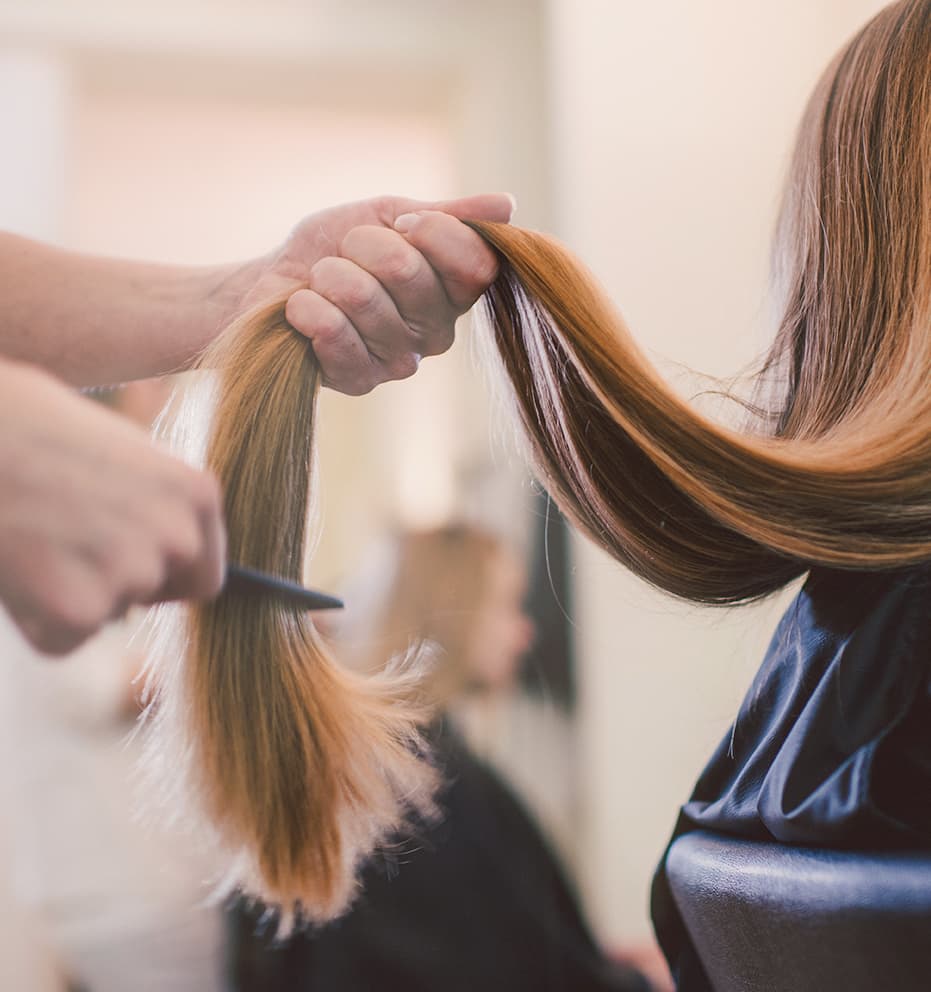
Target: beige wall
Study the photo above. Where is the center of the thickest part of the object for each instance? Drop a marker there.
(672, 124)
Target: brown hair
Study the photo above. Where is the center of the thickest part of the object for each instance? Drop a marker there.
(843, 478)
(302, 767)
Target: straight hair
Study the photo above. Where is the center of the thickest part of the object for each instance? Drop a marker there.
(297, 766)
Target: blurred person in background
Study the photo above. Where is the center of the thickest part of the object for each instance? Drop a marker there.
(477, 899)
(121, 902)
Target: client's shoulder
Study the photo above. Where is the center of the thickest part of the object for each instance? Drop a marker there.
(885, 611)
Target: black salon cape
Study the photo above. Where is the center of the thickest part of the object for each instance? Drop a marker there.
(832, 745)
(476, 903)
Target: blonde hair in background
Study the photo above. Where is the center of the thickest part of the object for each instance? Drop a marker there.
(300, 767)
(428, 597)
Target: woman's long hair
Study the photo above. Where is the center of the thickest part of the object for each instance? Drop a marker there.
(843, 476)
(301, 767)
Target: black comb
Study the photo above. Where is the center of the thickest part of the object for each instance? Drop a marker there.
(252, 582)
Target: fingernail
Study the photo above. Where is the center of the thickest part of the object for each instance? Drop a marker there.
(513, 200)
(405, 222)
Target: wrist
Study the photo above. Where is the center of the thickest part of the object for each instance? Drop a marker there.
(229, 290)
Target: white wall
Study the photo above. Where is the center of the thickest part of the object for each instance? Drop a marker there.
(672, 124)
(34, 111)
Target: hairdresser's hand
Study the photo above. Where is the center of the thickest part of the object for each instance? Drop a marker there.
(385, 281)
(93, 516)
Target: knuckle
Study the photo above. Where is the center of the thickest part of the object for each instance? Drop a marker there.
(48, 640)
(328, 325)
(402, 366)
(440, 341)
(72, 618)
(205, 492)
(148, 575)
(389, 206)
(359, 384)
(483, 268)
(184, 543)
(402, 265)
(67, 607)
(359, 294)
(344, 284)
(324, 273)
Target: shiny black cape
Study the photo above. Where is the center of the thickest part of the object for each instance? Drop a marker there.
(832, 745)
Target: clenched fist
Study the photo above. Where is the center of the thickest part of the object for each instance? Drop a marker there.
(379, 284)
(93, 516)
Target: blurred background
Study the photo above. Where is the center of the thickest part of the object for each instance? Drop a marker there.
(652, 138)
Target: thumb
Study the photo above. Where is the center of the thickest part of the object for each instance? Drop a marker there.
(484, 206)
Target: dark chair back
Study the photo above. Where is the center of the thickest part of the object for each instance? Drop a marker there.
(770, 918)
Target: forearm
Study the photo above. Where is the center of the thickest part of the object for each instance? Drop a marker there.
(94, 321)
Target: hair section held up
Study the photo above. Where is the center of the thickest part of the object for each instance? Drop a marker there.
(296, 767)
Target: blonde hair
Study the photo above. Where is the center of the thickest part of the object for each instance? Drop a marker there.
(301, 767)
(429, 597)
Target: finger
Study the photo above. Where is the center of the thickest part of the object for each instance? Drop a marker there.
(483, 206)
(212, 572)
(464, 262)
(197, 577)
(49, 638)
(486, 206)
(202, 576)
(72, 607)
(345, 362)
(409, 280)
(391, 344)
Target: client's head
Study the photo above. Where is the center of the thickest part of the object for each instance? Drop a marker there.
(456, 587)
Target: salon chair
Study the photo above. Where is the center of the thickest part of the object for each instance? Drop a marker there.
(770, 918)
